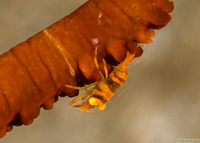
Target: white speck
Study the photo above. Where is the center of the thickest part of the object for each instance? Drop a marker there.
(100, 15)
(95, 41)
(72, 72)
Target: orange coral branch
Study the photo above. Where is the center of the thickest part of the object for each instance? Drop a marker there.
(34, 72)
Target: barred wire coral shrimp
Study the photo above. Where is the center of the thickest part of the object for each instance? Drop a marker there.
(33, 74)
(104, 89)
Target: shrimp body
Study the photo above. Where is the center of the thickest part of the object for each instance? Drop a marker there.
(103, 90)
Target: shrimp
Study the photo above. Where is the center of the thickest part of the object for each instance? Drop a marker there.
(102, 91)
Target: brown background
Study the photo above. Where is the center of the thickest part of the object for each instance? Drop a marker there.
(159, 103)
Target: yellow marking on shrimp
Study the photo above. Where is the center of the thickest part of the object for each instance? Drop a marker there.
(105, 69)
(115, 79)
(94, 101)
(62, 50)
(103, 91)
(101, 106)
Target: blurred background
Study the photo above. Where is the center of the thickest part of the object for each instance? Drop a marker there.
(159, 103)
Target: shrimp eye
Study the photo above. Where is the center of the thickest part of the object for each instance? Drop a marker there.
(101, 106)
(94, 101)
